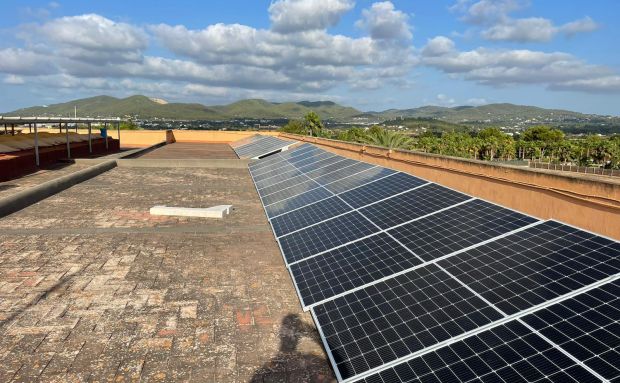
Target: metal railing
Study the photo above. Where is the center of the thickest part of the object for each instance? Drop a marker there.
(575, 169)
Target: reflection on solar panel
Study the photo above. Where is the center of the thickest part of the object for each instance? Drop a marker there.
(411, 281)
(262, 146)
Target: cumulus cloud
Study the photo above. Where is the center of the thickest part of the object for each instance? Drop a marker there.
(72, 50)
(288, 16)
(493, 19)
(92, 37)
(494, 67)
(384, 22)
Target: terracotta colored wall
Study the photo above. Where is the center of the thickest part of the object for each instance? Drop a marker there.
(142, 138)
(588, 202)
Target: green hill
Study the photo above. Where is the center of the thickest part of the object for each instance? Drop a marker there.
(144, 107)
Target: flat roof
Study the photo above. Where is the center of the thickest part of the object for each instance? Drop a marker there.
(94, 288)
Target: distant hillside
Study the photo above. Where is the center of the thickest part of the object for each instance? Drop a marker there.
(493, 112)
(145, 107)
(510, 116)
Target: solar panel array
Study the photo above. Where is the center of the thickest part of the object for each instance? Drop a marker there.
(260, 146)
(410, 281)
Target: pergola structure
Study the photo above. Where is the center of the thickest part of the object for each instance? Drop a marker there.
(33, 121)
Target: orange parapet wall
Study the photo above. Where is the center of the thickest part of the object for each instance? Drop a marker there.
(143, 138)
(586, 201)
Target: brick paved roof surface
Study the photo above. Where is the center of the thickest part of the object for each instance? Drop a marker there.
(92, 288)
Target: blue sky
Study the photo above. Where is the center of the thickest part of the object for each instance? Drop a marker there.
(367, 54)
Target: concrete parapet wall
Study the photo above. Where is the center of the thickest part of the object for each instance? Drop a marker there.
(588, 202)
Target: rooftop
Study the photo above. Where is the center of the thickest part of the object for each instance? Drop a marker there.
(94, 288)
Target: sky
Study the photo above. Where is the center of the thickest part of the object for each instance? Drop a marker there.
(366, 54)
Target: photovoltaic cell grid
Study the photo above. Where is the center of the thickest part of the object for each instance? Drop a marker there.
(354, 265)
(397, 317)
(379, 256)
(412, 204)
(457, 228)
(325, 235)
(353, 262)
(506, 353)
(535, 265)
(375, 191)
(586, 326)
(308, 215)
(261, 146)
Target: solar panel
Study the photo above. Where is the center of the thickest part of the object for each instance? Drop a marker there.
(290, 192)
(506, 353)
(587, 326)
(344, 172)
(392, 319)
(276, 177)
(282, 185)
(329, 159)
(345, 268)
(296, 202)
(308, 215)
(310, 158)
(535, 265)
(343, 163)
(412, 204)
(271, 172)
(325, 235)
(394, 268)
(359, 179)
(260, 147)
(374, 192)
(457, 228)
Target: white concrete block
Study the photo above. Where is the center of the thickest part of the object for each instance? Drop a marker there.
(210, 212)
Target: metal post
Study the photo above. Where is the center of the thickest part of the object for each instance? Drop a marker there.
(36, 144)
(118, 133)
(105, 125)
(90, 145)
(12, 129)
(68, 145)
(5, 131)
(30, 128)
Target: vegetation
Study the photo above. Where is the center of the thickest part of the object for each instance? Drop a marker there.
(311, 125)
(536, 143)
(129, 125)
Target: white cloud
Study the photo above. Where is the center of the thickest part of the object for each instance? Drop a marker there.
(475, 101)
(89, 37)
(444, 100)
(493, 17)
(289, 16)
(579, 26)
(384, 22)
(556, 70)
(522, 30)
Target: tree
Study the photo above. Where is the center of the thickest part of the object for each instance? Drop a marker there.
(352, 134)
(129, 125)
(313, 124)
(543, 137)
(294, 126)
(388, 139)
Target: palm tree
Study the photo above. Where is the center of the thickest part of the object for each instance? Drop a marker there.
(388, 139)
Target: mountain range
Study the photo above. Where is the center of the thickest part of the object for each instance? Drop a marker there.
(143, 107)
